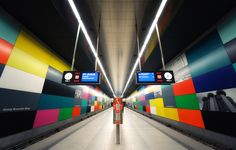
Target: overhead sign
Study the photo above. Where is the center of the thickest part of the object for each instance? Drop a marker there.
(81, 78)
(157, 77)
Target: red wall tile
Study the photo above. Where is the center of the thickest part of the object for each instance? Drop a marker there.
(183, 88)
(76, 111)
(192, 117)
(148, 109)
(5, 50)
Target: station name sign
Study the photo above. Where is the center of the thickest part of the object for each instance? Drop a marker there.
(155, 77)
(81, 78)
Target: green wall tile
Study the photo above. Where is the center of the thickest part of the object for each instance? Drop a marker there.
(83, 110)
(227, 28)
(189, 101)
(52, 101)
(84, 102)
(234, 66)
(9, 28)
(207, 55)
(65, 113)
(140, 107)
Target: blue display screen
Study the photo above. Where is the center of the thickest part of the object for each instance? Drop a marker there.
(146, 77)
(90, 77)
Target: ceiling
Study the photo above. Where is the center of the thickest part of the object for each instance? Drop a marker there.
(117, 24)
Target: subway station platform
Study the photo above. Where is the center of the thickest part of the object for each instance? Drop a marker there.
(65, 64)
(137, 133)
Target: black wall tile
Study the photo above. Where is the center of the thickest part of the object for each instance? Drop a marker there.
(13, 100)
(222, 122)
(1, 69)
(53, 88)
(15, 122)
(54, 75)
(231, 50)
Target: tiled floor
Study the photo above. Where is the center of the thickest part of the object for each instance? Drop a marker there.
(98, 133)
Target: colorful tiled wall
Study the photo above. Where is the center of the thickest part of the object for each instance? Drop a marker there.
(204, 95)
(31, 93)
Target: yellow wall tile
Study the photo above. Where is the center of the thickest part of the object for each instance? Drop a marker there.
(171, 113)
(151, 46)
(160, 112)
(23, 61)
(32, 46)
(59, 64)
(158, 102)
(152, 102)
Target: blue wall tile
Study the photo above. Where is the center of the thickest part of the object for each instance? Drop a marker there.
(149, 96)
(168, 96)
(223, 78)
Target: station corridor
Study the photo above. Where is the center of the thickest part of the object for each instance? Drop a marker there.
(117, 74)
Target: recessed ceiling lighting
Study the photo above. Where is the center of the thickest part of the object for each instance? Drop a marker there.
(143, 48)
(92, 48)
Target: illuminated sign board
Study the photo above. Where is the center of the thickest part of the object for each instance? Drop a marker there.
(81, 78)
(155, 77)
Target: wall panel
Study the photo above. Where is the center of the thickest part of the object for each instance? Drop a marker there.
(46, 117)
(160, 111)
(222, 122)
(207, 55)
(54, 75)
(1, 69)
(192, 117)
(149, 96)
(148, 109)
(13, 122)
(226, 28)
(25, 62)
(9, 28)
(171, 113)
(184, 87)
(5, 50)
(31, 45)
(59, 64)
(53, 88)
(76, 111)
(65, 113)
(219, 79)
(231, 50)
(19, 80)
(189, 101)
(153, 110)
(158, 102)
(52, 102)
(168, 96)
(12, 100)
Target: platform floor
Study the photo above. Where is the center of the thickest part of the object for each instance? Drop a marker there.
(137, 133)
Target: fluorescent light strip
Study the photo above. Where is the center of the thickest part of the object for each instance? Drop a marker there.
(72, 4)
(152, 28)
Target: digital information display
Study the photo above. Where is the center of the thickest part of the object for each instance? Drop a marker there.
(157, 77)
(81, 78)
(146, 77)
